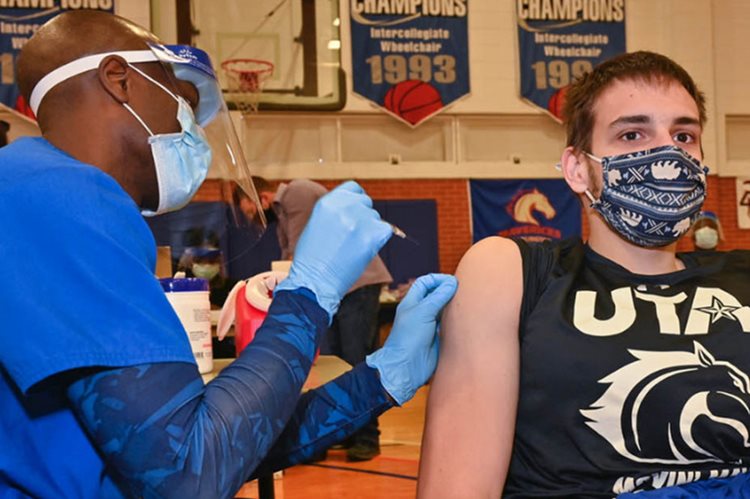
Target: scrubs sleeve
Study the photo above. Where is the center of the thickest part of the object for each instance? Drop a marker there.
(168, 435)
(80, 286)
(327, 415)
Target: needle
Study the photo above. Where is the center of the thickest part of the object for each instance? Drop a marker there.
(401, 234)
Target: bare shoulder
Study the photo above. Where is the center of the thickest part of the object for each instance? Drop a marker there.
(490, 288)
(490, 266)
(492, 253)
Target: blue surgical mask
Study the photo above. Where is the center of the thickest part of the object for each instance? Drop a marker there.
(181, 159)
(651, 197)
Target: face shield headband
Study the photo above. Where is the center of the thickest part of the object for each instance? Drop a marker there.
(196, 69)
(193, 65)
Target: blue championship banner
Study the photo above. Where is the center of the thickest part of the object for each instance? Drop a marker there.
(559, 40)
(533, 210)
(19, 20)
(410, 57)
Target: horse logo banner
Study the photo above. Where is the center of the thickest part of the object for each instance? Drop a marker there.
(410, 58)
(561, 40)
(534, 210)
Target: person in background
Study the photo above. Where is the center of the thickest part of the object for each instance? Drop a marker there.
(611, 368)
(207, 263)
(354, 331)
(99, 390)
(707, 233)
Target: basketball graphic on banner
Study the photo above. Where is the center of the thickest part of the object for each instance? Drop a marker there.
(557, 102)
(553, 53)
(410, 57)
(413, 100)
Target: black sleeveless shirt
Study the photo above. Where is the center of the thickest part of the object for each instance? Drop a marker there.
(630, 382)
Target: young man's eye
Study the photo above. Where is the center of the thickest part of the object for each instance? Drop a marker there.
(631, 136)
(684, 137)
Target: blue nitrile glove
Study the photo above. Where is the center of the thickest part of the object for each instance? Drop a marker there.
(342, 236)
(410, 354)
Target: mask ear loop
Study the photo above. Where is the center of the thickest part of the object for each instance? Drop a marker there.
(591, 197)
(140, 72)
(140, 120)
(587, 192)
(127, 106)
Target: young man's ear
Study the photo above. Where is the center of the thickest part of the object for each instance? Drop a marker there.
(575, 170)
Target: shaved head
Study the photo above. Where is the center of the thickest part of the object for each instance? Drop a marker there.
(87, 115)
(72, 35)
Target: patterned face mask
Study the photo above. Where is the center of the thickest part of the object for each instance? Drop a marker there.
(651, 197)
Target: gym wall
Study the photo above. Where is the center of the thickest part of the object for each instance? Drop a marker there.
(492, 133)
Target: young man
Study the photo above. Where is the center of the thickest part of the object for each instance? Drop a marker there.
(592, 369)
(99, 391)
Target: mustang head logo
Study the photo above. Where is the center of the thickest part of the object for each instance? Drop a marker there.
(675, 408)
(525, 203)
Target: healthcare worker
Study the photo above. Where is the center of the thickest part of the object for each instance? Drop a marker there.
(99, 391)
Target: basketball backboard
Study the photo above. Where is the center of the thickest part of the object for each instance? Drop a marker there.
(299, 37)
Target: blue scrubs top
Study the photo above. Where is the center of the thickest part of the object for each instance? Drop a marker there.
(77, 290)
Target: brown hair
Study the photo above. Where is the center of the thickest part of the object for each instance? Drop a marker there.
(259, 183)
(262, 185)
(578, 110)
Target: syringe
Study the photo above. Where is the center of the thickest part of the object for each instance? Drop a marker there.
(401, 234)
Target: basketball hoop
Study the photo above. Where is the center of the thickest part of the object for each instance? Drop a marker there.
(245, 79)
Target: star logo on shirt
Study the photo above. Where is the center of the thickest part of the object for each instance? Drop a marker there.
(717, 310)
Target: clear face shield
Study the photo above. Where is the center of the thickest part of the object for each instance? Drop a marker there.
(228, 167)
(228, 164)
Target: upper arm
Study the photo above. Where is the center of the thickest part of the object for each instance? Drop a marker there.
(473, 398)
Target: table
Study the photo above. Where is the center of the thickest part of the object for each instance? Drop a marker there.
(324, 369)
